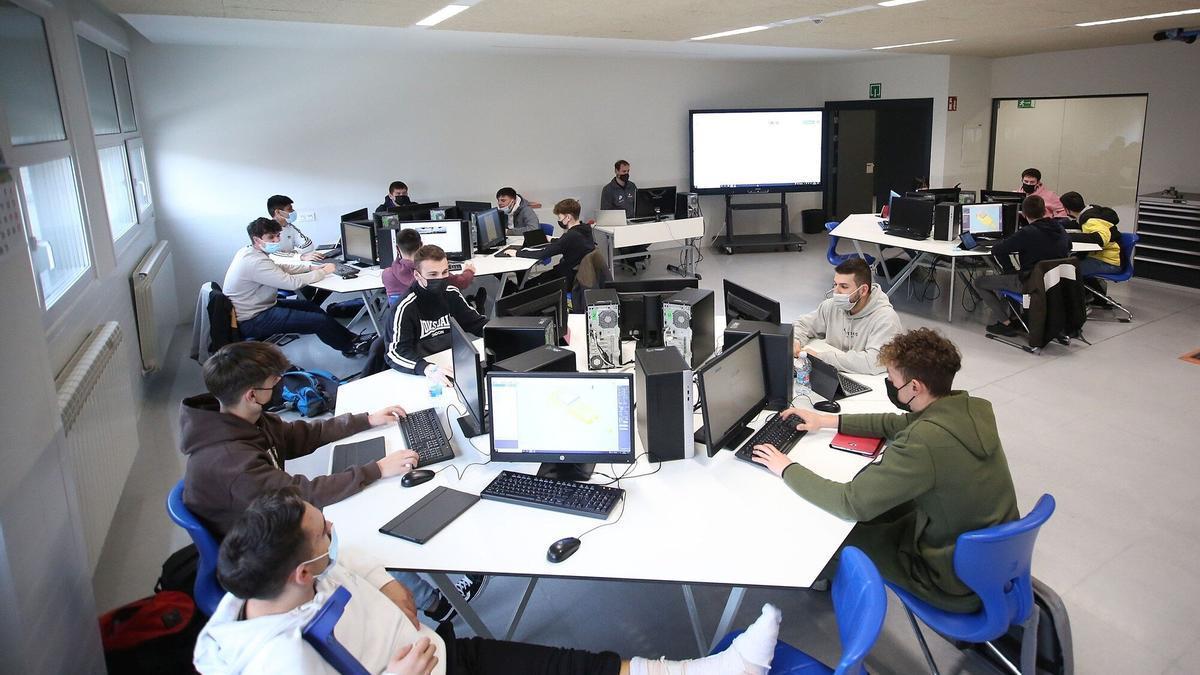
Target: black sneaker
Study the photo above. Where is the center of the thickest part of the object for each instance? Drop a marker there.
(1001, 328)
(471, 585)
(360, 346)
(443, 611)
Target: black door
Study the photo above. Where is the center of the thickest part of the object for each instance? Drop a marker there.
(902, 144)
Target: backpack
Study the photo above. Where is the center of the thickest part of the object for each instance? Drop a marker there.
(308, 392)
(152, 635)
(1055, 654)
(179, 571)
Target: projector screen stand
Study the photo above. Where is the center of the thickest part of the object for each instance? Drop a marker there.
(747, 243)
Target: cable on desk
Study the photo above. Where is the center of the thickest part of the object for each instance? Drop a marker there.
(460, 413)
(626, 476)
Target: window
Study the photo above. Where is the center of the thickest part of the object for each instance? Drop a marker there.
(58, 242)
(27, 79)
(97, 76)
(114, 171)
(120, 75)
(141, 185)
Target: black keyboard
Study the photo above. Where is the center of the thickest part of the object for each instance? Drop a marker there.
(342, 270)
(424, 435)
(851, 387)
(783, 435)
(583, 499)
(456, 267)
(908, 234)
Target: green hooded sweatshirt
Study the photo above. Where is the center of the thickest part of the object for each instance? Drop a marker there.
(943, 473)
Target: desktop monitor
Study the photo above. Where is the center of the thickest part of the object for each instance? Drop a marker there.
(468, 381)
(983, 218)
(942, 194)
(992, 196)
(411, 212)
(358, 243)
(967, 197)
(548, 299)
(489, 229)
(465, 209)
(567, 421)
(733, 389)
(641, 302)
(915, 215)
(361, 214)
(386, 221)
(924, 196)
(654, 202)
(452, 235)
(743, 303)
(892, 196)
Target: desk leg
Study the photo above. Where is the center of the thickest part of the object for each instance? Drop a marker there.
(953, 278)
(460, 603)
(369, 305)
(905, 273)
(732, 605)
(694, 614)
(512, 627)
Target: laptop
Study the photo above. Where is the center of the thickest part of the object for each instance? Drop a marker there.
(534, 238)
(830, 384)
(610, 218)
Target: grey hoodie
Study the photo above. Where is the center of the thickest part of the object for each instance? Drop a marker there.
(853, 340)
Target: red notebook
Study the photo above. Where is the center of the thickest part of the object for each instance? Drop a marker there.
(859, 445)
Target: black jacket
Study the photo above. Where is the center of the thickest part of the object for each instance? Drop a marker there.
(1040, 240)
(573, 245)
(1103, 213)
(421, 326)
(388, 203)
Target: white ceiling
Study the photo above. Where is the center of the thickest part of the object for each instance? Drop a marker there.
(827, 28)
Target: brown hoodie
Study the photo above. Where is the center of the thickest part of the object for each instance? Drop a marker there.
(231, 461)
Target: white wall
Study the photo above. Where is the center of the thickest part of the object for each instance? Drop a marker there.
(967, 128)
(330, 127)
(1168, 72)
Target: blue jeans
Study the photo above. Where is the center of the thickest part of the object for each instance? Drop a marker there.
(425, 594)
(297, 316)
(1089, 266)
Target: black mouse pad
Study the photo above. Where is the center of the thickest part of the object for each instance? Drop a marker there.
(430, 515)
(347, 455)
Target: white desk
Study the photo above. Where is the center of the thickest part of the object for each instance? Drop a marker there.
(685, 230)
(690, 523)
(864, 227)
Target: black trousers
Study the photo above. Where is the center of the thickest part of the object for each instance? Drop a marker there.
(479, 656)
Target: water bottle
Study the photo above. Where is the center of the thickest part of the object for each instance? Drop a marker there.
(803, 368)
(435, 385)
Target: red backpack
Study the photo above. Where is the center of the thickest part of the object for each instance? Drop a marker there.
(152, 635)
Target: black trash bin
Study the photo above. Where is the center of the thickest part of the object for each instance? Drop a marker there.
(813, 221)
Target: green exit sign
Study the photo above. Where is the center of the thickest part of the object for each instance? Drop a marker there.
(1024, 103)
(875, 90)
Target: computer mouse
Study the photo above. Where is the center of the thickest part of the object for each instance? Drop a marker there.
(562, 549)
(828, 406)
(416, 477)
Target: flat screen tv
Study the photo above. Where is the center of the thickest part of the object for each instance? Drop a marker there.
(747, 151)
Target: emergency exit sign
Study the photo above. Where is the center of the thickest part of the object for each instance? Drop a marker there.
(875, 90)
(1024, 103)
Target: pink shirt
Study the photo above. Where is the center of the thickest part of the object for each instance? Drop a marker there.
(1054, 207)
(398, 278)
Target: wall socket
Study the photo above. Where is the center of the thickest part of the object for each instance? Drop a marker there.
(306, 216)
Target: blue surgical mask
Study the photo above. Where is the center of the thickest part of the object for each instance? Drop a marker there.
(291, 217)
(270, 247)
(332, 553)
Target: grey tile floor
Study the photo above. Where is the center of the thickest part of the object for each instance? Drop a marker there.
(1107, 429)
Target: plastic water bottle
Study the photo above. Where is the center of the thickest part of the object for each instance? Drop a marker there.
(435, 385)
(803, 368)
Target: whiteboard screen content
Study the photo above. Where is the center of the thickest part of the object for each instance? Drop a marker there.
(756, 150)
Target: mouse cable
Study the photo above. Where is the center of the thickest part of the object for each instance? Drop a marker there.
(624, 501)
(460, 413)
(625, 475)
(457, 472)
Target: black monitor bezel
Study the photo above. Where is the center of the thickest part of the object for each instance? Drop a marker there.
(502, 234)
(640, 212)
(462, 341)
(346, 256)
(774, 312)
(531, 294)
(751, 412)
(568, 458)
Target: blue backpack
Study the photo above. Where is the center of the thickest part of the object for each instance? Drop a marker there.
(309, 392)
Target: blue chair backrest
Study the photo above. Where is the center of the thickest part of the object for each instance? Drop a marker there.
(1128, 241)
(547, 229)
(860, 601)
(318, 632)
(831, 253)
(995, 563)
(208, 591)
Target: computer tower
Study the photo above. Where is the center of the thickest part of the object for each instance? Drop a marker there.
(541, 359)
(385, 246)
(603, 315)
(946, 217)
(1009, 215)
(663, 403)
(688, 324)
(506, 336)
(775, 340)
(687, 205)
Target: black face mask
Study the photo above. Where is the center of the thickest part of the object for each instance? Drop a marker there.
(436, 286)
(562, 224)
(1029, 189)
(624, 177)
(893, 393)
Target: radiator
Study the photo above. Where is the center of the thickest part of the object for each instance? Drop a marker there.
(95, 398)
(155, 304)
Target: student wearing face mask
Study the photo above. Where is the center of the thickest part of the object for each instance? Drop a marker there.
(291, 240)
(619, 193)
(1031, 184)
(521, 218)
(397, 196)
(853, 323)
(575, 243)
(420, 325)
(943, 473)
(251, 284)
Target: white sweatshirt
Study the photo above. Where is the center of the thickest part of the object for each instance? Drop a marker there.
(253, 278)
(292, 239)
(851, 341)
(372, 629)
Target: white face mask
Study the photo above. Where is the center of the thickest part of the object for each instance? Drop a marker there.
(845, 301)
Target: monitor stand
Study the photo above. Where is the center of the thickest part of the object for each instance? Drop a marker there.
(736, 438)
(470, 429)
(574, 472)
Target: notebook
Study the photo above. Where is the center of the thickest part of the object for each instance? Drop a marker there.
(419, 522)
(348, 455)
(859, 445)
